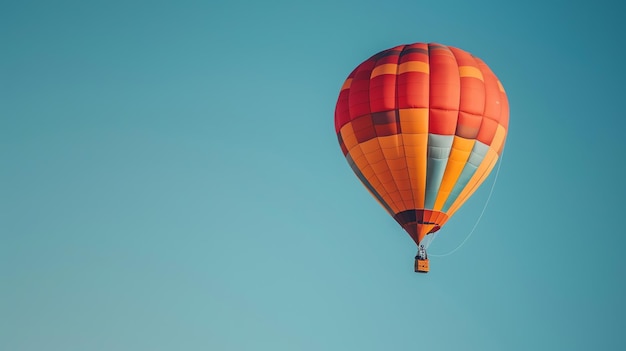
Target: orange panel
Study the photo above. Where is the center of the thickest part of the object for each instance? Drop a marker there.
(384, 175)
(403, 183)
(470, 72)
(481, 174)
(391, 146)
(397, 165)
(441, 218)
(348, 137)
(413, 66)
(407, 195)
(359, 159)
(356, 153)
(461, 149)
(393, 149)
(372, 178)
(387, 68)
(423, 230)
(386, 178)
(370, 146)
(346, 84)
(414, 120)
(415, 144)
(374, 168)
(498, 140)
(399, 204)
(368, 173)
(455, 168)
(378, 169)
(416, 149)
(372, 151)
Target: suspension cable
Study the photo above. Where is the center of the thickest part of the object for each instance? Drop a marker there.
(479, 217)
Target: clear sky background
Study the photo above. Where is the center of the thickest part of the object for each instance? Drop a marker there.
(170, 179)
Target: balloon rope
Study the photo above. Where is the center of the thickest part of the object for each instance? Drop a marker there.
(479, 217)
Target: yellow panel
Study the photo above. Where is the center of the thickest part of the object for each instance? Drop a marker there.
(479, 176)
(460, 152)
(413, 66)
(470, 71)
(414, 120)
(346, 84)
(461, 148)
(387, 68)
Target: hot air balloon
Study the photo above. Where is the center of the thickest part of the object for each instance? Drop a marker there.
(422, 125)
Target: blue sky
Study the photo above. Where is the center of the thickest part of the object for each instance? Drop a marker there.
(171, 180)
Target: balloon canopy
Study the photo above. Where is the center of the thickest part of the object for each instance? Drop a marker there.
(422, 126)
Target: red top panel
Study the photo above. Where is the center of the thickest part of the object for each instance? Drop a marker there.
(462, 94)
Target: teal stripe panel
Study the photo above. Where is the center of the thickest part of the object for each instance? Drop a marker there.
(479, 151)
(367, 184)
(439, 147)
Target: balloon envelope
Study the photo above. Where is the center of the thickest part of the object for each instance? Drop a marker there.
(422, 126)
